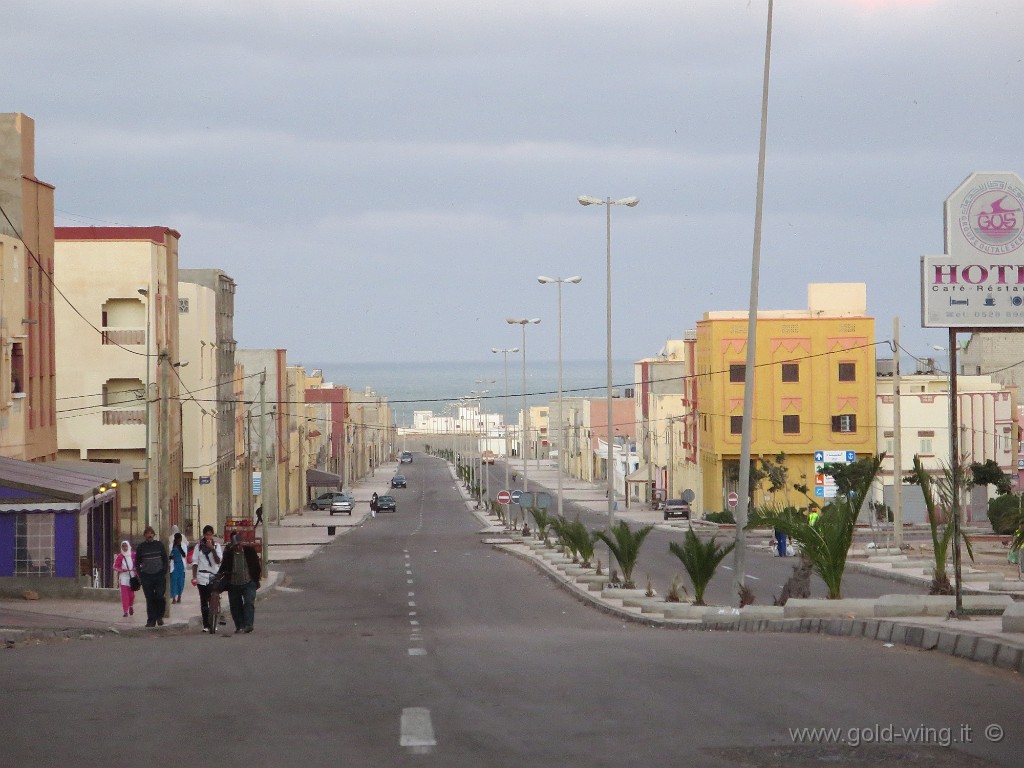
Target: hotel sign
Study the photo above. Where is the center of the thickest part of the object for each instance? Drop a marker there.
(979, 281)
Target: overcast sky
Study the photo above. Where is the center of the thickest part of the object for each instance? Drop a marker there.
(386, 179)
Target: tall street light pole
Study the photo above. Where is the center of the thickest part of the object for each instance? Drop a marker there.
(558, 281)
(508, 453)
(608, 203)
(525, 436)
(145, 292)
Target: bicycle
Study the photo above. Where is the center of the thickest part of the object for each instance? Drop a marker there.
(217, 585)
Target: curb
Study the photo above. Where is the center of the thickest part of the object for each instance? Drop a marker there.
(984, 649)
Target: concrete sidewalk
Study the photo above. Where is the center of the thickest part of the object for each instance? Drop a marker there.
(297, 536)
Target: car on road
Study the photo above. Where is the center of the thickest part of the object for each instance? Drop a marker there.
(398, 481)
(387, 504)
(343, 505)
(405, 457)
(488, 457)
(324, 500)
(677, 508)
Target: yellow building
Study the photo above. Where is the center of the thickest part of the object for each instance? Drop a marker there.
(814, 391)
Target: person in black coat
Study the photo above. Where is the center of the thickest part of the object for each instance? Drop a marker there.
(243, 569)
(151, 563)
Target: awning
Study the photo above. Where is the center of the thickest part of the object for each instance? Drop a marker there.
(642, 474)
(317, 478)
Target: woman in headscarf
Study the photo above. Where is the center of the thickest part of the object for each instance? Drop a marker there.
(124, 566)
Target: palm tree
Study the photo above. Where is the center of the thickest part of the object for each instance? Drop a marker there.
(583, 541)
(827, 542)
(625, 546)
(700, 559)
(542, 520)
(940, 541)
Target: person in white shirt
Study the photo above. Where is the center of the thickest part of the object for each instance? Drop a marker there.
(205, 563)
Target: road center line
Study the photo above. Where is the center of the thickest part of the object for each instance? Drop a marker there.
(417, 732)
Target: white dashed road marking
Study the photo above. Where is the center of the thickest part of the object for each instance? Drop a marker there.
(417, 732)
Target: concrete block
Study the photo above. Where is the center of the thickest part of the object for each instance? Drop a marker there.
(947, 642)
(762, 612)
(799, 608)
(987, 602)
(914, 636)
(728, 616)
(654, 607)
(899, 634)
(639, 602)
(1013, 618)
(858, 628)
(908, 564)
(596, 586)
(964, 647)
(930, 639)
(985, 650)
(976, 576)
(887, 558)
(684, 611)
(616, 593)
(884, 631)
(914, 605)
(577, 570)
(1008, 657)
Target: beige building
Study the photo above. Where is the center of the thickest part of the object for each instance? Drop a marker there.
(28, 415)
(119, 363)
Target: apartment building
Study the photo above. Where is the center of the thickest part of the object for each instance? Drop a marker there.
(117, 353)
(814, 390)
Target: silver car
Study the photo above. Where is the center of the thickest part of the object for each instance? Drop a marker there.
(343, 503)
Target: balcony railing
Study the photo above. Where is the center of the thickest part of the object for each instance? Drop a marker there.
(123, 336)
(118, 416)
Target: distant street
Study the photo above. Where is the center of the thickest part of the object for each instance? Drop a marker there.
(409, 642)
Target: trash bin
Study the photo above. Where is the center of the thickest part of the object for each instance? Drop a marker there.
(331, 529)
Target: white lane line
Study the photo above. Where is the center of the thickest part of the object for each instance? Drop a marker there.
(417, 732)
(729, 568)
(417, 651)
(412, 594)
(408, 581)
(412, 603)
(413, 623)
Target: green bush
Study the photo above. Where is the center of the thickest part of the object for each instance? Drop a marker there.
(725, 517)
(1004, 513)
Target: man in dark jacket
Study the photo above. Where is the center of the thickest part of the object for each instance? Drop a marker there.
(151, 563)
(242, 565)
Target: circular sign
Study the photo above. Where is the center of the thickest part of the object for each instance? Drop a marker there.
(733, 499)
(991, 217)
(516, 496)
(504, 497)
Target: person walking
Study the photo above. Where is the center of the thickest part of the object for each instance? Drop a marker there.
(780, 539)
(179, 557)
(242, 565)
(206, 561)
(373, 505)
(151, 562)
(124, 567)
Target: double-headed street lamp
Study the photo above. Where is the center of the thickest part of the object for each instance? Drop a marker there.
(608, 202)
(508, 453)
(558, 281)
(525, 436)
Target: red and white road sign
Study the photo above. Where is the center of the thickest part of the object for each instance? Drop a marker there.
(504, 497)
(733, 500)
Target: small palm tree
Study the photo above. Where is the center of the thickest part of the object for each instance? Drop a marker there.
(700, 559)
(583, 540)
(542, 521)
(625, 544)
(940, 540)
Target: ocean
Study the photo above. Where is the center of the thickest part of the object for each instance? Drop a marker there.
(412, 387)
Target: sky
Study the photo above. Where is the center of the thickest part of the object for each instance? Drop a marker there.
(385, 180)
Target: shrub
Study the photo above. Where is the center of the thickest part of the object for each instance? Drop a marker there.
(725, 517)
(1004, 513)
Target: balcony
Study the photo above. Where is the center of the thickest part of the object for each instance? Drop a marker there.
(120, 416)
(123, 336)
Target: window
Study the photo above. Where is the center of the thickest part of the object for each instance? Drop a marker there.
(791, 425)
(737, 373)
(33, 544)
(846, 422)
(736, 425)
(790, 372)
(847, 371)
(926, 446)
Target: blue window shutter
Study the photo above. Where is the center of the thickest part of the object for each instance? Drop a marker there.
(65, 544)
(6, 545)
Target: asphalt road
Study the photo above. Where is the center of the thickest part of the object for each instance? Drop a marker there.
(409, 642)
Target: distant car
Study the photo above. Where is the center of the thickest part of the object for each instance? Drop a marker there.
(488, 457)
(387, 504)
(405, 457)
(343, 504)
(677, 508)
(398, 481)
(324, 500)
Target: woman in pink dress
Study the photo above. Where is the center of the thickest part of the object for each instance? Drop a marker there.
(124, 566)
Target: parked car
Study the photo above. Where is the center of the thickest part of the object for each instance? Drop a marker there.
(677, 508)
(324, 500)
(387, 504)
(343, 504)
(398, 481)
(405, 457)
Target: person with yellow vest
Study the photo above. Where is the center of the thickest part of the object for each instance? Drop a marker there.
(812, 518)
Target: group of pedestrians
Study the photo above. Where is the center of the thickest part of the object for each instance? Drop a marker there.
(148, 567)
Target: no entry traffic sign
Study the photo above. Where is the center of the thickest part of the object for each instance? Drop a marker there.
(733, 500)
(504, 497)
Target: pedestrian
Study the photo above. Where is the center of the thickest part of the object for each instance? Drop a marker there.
(179, 556)
(151, 561)
(206, 561)
(373, 505)
(124, 566)
(812, 518)
(242, 565)
(780, 539)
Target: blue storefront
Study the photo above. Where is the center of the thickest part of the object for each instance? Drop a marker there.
(57, 528)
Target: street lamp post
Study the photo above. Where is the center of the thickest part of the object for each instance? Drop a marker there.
(608, 203)
(525, 436)
(558, 281)
(145, 292)
(508, 453)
